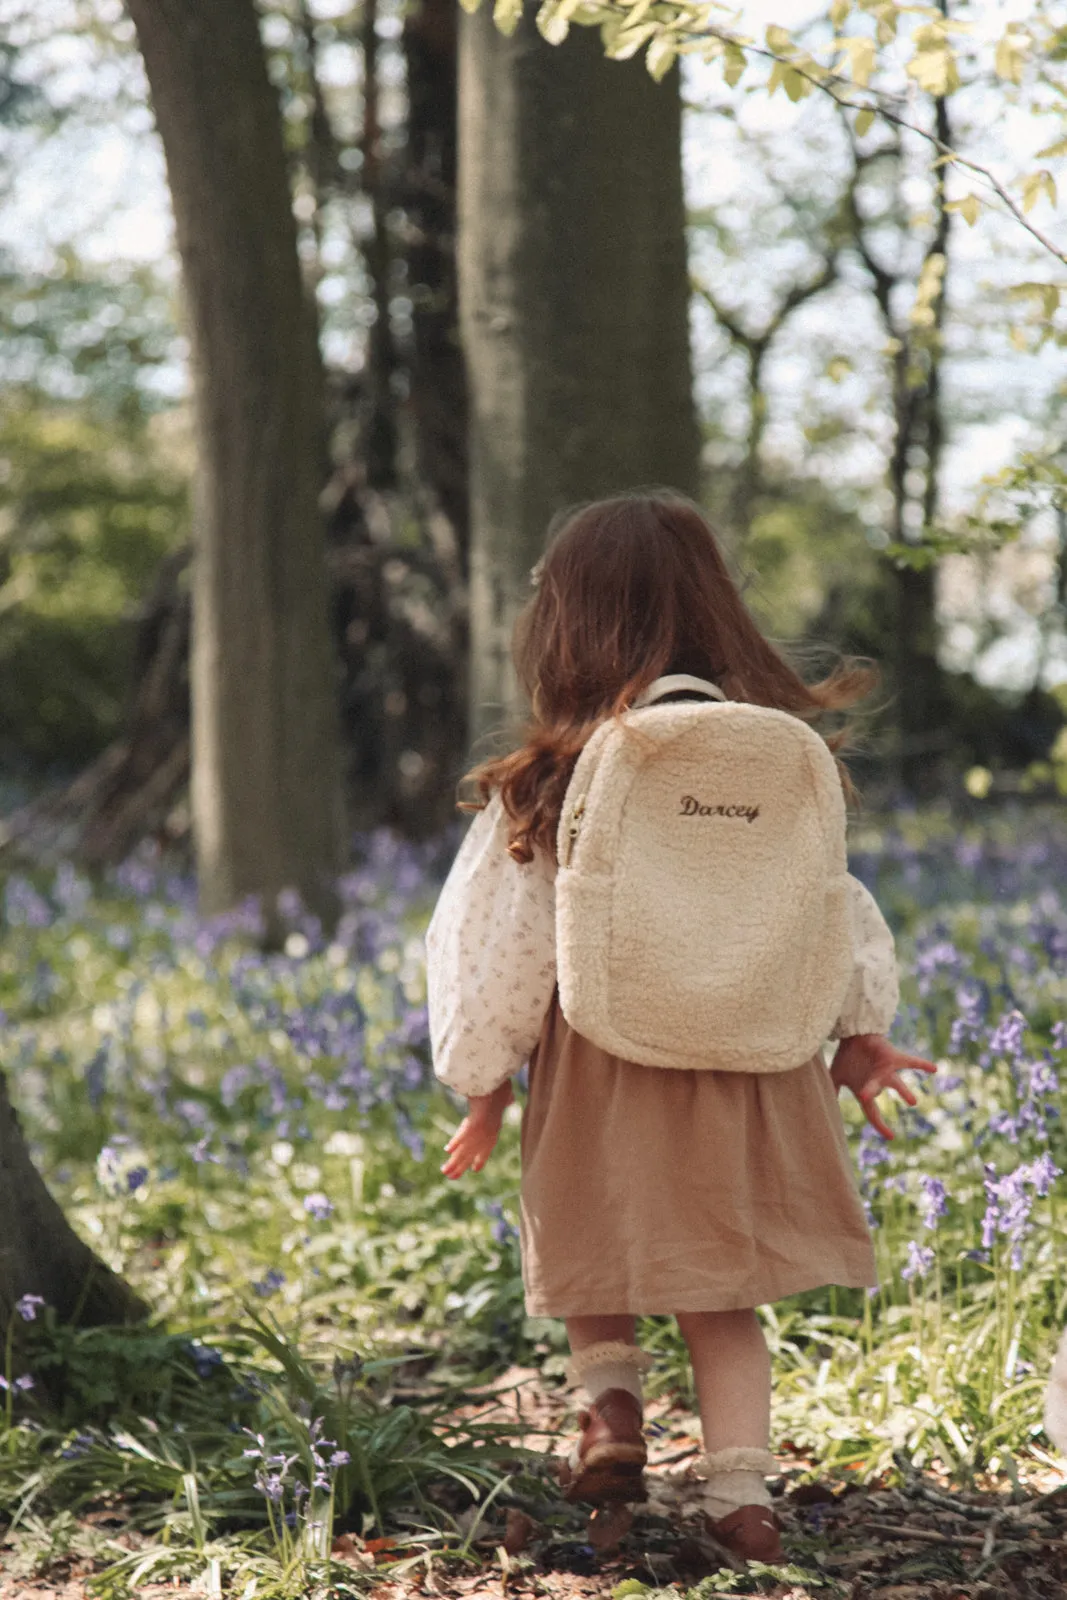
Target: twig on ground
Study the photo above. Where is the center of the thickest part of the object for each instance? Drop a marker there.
(900, 1530)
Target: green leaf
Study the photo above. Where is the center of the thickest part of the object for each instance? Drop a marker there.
(934, 66)
(662, 54)
(630, 40)
(864, 119)
(839, 11)
(928, 291)
(507, 14)
(638, 12)
(734, 63)
(1036, 184)
(780, 40)
(1011, 54)
(968, 208)
(470, 6)
(862, 55)
(1046, 295)
(551, 25)
(796, 85)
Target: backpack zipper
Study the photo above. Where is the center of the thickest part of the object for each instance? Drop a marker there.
(575, 827)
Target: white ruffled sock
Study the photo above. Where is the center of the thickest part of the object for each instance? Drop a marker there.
(613, 1365)
(736, 1477)
(1056, 1399)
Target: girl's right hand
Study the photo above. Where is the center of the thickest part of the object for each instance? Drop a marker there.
(867, 1064)
(475, 1139)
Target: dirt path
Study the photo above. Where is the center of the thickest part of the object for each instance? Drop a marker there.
(916, 1541)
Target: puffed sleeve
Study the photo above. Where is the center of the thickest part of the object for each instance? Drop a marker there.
(490, 958)
(874, 993)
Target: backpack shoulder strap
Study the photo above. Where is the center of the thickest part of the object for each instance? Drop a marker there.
(677, 683)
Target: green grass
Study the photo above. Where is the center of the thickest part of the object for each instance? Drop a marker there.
(254, 1142)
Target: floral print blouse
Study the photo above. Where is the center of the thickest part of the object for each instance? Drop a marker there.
(491, 961)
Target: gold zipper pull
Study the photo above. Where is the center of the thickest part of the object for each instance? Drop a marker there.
(573, 828)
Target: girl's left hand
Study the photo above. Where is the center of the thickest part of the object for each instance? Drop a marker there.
(475, 1139)
(867, 1064)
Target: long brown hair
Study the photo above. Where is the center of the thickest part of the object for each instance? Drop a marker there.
(631, 589)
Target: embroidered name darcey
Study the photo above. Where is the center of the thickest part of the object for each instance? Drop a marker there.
(691, 807)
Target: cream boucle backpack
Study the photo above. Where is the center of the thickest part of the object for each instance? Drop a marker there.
(701, 903)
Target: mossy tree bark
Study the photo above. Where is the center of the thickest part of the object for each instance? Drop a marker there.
(574, 304)
(39, 1251)
(265, 768)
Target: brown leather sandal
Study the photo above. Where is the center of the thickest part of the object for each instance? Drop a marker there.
(608, 1461)
(751, 1533)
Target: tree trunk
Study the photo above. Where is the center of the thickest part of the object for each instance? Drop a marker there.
(438, 379)
(266, 793)
(382, 437)
(574, 303)
(39, 1251)
(922, 708)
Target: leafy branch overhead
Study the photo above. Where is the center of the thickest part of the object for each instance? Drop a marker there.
(870, 57)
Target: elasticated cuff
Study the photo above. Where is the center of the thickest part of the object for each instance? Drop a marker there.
(738, 1458)
(615, 1352)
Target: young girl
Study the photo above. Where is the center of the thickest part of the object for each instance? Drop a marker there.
(646, 1190)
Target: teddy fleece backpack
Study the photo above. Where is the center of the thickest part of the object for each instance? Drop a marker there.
(701, 903)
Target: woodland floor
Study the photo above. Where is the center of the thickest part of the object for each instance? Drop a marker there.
(919, 1539)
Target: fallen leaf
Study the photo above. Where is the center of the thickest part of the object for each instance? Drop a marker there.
(609, 1525)
(346, 1547)
(519, 1529)
(811, 1494)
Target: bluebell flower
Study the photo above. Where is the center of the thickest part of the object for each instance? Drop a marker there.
(23, 907)
(27, 1306)
(502, 1228)
(79, 1446)
(933, 1203)
(205, 1359)
(920, 1261)
(1006, 1039)
(269, 1283)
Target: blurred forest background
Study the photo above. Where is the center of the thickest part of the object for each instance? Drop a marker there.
(352, 296)
(862, 365)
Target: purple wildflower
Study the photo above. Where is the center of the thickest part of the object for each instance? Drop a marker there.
(920, 1261)
(1009, 1205)
(933, 1202)
(269, 1283)
(205, 1359)
(319, 1206)
(1006, 1040)
(27, 1306)
(80, 1445)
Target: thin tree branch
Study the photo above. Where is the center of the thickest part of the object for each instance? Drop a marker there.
(841, 89)
(797, 296)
